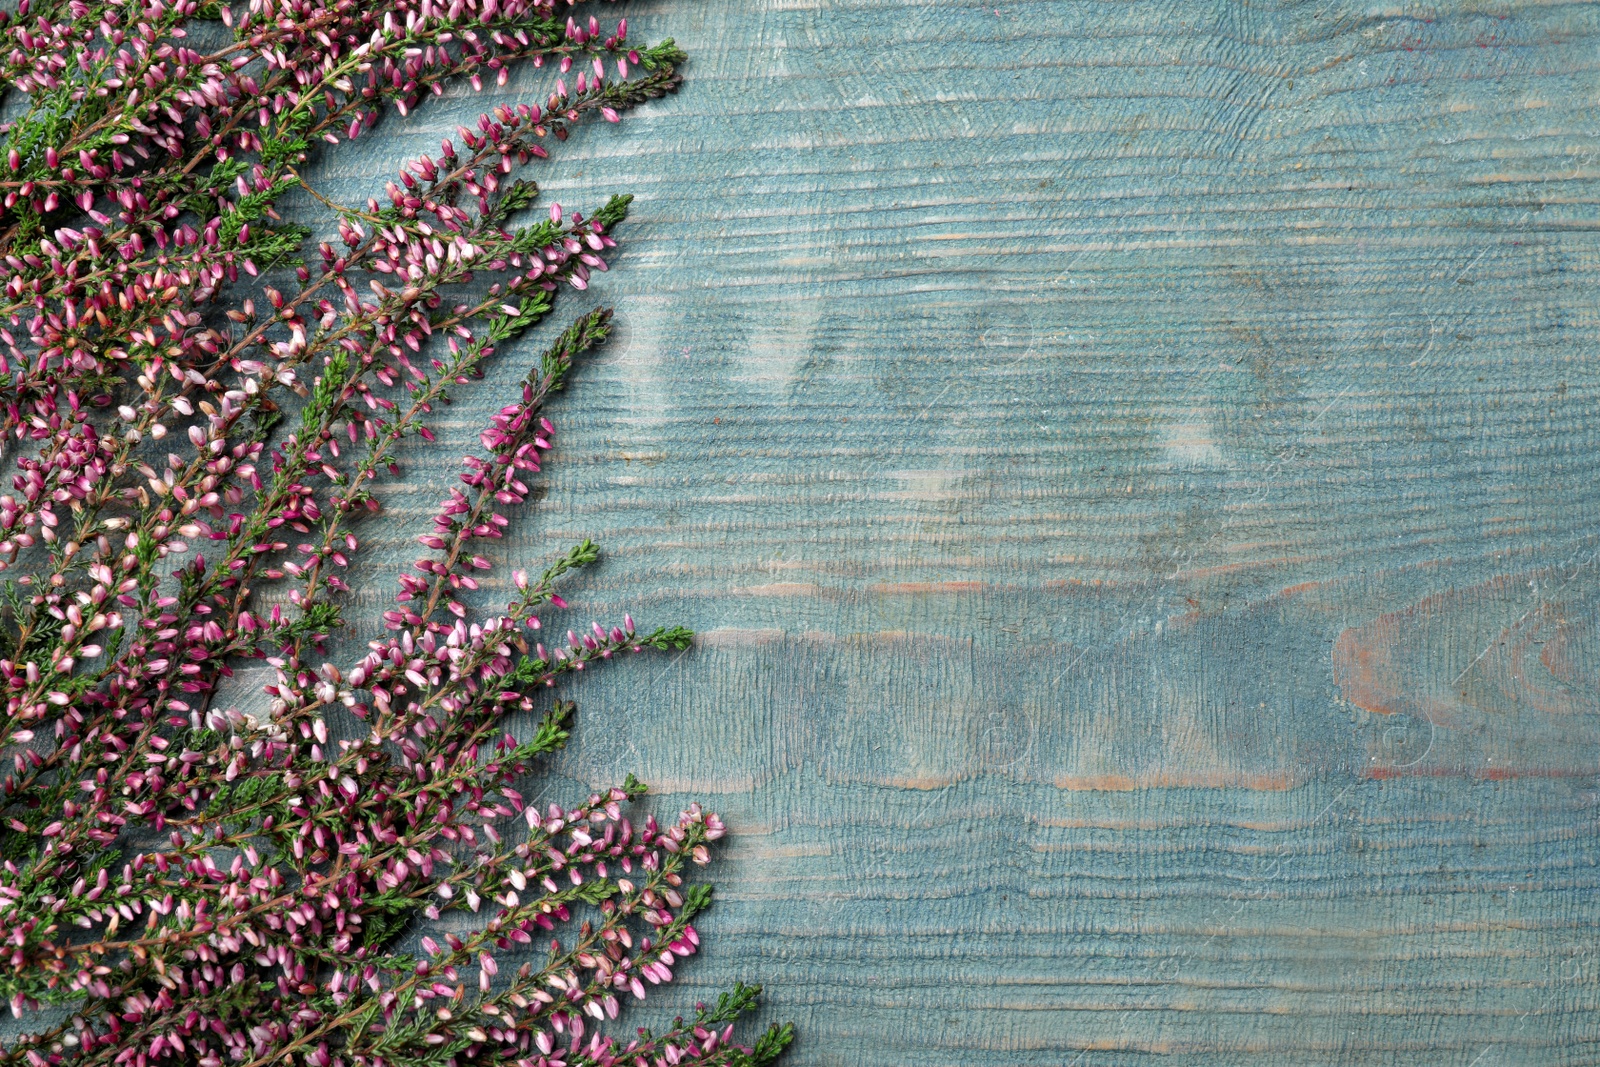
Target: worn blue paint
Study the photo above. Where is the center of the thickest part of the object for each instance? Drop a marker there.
(1134, 468)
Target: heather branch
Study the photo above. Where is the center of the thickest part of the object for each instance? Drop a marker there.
(139, 188)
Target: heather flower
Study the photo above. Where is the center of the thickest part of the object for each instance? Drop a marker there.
(201, 422)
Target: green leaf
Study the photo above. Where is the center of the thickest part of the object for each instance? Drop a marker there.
(388, 914)
(597, 891)
(663, 54)
(696, 898)
(668, 639)
(615, 210)
(519, 195)
(771, 1045)
(730, 1005)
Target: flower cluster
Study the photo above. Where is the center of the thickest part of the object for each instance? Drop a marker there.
(202, 419)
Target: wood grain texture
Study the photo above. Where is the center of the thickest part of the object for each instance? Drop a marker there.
(1134, 468)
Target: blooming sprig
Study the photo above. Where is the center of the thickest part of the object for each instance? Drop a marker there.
(203, 421)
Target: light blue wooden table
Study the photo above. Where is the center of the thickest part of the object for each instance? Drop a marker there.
(1134, 467)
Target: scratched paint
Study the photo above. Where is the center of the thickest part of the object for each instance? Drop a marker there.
(1134, 467)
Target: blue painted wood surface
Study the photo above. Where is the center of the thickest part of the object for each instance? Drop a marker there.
(1134, 468)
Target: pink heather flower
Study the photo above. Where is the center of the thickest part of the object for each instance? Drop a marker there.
(161, 531)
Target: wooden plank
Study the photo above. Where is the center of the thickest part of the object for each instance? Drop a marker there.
(1134, 466)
